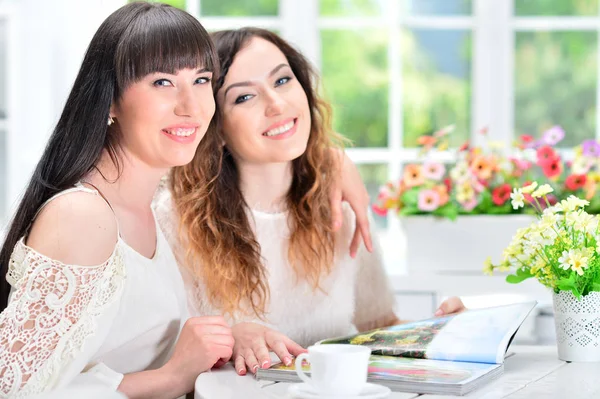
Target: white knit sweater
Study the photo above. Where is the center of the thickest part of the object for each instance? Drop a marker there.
(356, 292)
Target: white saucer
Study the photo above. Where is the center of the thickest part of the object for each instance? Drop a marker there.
(369, 391)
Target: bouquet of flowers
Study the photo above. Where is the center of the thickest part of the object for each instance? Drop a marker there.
(561, 249)
(479, 182)
(481, 178)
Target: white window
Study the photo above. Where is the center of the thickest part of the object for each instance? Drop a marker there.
(396, 69)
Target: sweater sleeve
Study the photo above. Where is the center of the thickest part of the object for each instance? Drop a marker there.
(373, 291)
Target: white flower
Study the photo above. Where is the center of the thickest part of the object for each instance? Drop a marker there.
(518, 200)
(581, 165)
(564, 260)
(530, 154)
(548, 220)
(542, 190)
(460, 172)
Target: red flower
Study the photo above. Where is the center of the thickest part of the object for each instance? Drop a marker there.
(546, 155)
(448, 184)
(552, 168)
(464, 147)
(575, 182)
(526, 138)
(501, 194)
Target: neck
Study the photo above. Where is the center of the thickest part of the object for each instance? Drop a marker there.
(265, 186)
(134, 188)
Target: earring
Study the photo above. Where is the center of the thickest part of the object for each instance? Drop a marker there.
(110, 120)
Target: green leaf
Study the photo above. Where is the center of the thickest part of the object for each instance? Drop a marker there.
(565, 284)
(595, 287)
(411, 197)
(408, 210)
(447, 211)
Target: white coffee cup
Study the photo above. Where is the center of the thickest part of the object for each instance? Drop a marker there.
(335, 369)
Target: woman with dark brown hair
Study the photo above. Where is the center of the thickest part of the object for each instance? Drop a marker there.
(250, 217)
(93, 295)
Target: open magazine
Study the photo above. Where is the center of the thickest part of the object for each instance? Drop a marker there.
(452, 354)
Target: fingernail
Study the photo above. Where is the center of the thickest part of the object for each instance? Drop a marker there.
(287, 361)
(255, 368)
(438, 312)
(265, 364)
(242, 372)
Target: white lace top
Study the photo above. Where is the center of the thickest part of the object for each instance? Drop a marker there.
(357, 291)
(103, 321)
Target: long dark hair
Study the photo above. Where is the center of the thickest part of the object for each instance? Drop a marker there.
(213, 212)
(137, 39)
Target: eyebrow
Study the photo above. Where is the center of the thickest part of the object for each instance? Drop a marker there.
(249, 83)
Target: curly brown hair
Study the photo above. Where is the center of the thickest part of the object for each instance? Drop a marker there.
(222, 250)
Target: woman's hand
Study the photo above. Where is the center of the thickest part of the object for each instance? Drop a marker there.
(253, 343)
(203, 343)
(351, 188)
(449, 306)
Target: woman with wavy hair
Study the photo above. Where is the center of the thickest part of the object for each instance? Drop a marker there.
(250, 220)
(96, 297)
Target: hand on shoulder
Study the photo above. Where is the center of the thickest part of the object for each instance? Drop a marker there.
(78, 228)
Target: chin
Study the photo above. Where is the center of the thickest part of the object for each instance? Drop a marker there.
(294, 153)
(181, 160)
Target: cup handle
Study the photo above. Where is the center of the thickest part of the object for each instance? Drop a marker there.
(298, 363)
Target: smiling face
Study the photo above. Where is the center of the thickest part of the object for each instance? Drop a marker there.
(162, 117)
(264, 109)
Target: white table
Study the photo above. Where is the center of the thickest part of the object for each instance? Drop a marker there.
(532, 372)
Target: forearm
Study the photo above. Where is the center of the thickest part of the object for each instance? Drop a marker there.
(158, 383)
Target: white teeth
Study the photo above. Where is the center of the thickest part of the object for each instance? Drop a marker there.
(280, 130)
(181, 132)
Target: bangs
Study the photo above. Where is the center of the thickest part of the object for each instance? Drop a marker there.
(163, 39)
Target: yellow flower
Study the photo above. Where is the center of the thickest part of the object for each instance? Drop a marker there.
(542, 190)
(538, 265)
(465, 192)
(488, 267)
(529, 188)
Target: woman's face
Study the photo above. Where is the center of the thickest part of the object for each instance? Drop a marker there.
(264, 109)
(163, 117)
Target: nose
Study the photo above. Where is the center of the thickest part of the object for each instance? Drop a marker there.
(275, 103)
(187, 103)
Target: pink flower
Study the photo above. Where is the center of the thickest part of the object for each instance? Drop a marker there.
(553, 135)
(469, 204)
(521, 164)
(429, 200)
(433, 171)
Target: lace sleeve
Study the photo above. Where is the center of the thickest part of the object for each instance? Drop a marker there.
(53, 310)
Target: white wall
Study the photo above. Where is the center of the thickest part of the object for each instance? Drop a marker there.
(49, 40)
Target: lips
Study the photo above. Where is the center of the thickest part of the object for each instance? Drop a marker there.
(181, 132)
(281, 129)
(184, 134)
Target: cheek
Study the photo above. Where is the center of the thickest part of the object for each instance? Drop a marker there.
(207, 102)
(240, 129)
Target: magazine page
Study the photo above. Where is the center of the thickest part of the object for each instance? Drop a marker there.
(478, 335)
(400, 373)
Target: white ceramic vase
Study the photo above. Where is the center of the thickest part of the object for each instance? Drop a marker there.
(577, 326)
